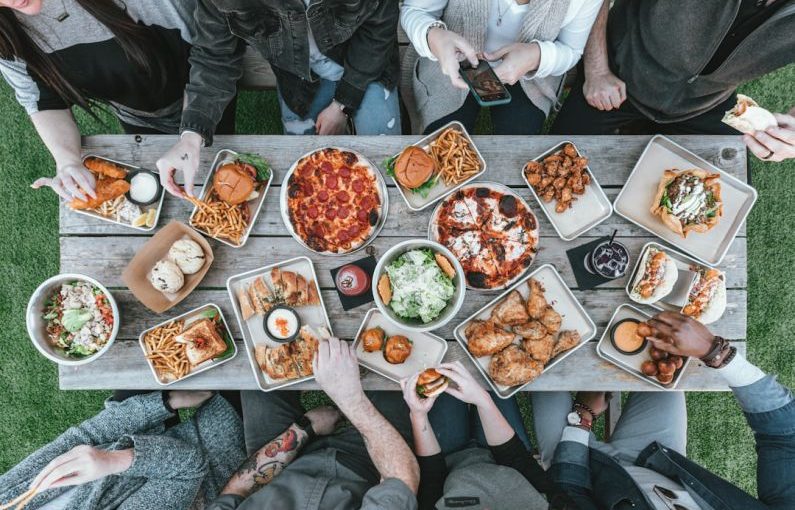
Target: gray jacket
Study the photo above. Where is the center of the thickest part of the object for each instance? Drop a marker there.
(170, 468)
(660, 47)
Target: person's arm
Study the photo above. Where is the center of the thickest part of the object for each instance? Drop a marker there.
(337, 373)
(416, 18)
(776, 143)
(602, 89)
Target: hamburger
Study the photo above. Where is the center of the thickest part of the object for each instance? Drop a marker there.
(414, 167)
(747, 116)
(235, 183)
(656, 277)
(431, 383)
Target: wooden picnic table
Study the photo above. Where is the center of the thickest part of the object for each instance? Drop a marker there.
(102, 250)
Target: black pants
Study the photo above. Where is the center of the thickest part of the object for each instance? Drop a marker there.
(226, 126)
(577, 117)
(519, 117)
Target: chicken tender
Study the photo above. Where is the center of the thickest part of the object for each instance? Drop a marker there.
(532, 330)
(513, 366)
(541, 349)
(485, 338)
(551, 319)
(566, 340)
(510, 311)
(101, 167)
(107, 189)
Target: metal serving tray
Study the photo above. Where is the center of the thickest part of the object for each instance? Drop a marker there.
(587, 211)
(157, 205)
(417, 202)
(253, 329)
(631, 362)
(221, 157)
(427, 350)
(381, 189)
(190, 317)
(572, 312)
(635, 200)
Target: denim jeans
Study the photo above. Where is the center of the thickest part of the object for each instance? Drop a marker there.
(378, 114)
(457, 424)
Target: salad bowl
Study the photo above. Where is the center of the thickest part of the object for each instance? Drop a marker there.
(427, 288)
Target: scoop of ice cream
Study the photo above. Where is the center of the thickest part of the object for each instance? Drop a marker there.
(167, 277)
(188, 255)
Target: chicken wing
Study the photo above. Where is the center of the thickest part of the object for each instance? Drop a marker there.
(536, 303)
(485, 338)
(513, 366)
(551, 319)
(532, 330)
(566, 340)
(541, 349)
(510, 311)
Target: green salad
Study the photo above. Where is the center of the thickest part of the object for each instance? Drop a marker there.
(420, 289)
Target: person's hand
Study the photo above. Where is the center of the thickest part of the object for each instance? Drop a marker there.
(518, 59)
(466, 389)
(680, 335)
(595, 400)
(186, 399)
(775, 143)
(323, 419)
(337, 372)
(72, 181)
(331, 121)
(604, 90)
(418, 406)
(183, 157)
(449, 49)
(82, 464)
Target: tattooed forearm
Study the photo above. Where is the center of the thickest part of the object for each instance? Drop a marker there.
(266, 463)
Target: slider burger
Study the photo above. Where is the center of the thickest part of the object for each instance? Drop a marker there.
(431, 383)
(414, 167)
(235, 183)
(747, 116)
(656, 277)
(706, 300)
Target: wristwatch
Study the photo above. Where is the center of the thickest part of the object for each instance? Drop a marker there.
(575, 419)
(304, 424)
(348, 111)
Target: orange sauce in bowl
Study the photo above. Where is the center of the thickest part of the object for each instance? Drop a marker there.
(626, 338)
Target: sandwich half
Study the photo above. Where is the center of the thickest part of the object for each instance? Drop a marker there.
(706, 300)
(202, 342)
(656, 277)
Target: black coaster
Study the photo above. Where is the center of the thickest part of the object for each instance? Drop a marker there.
(351, 302)
(585, 279)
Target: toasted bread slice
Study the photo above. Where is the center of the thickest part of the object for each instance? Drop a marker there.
(278, 283)
(246, 307)
(385, 288)
(313, 296)
(261, 296)
(299, 295)
(277, 362)
(202, 342)
(445, 265)
(291, 287)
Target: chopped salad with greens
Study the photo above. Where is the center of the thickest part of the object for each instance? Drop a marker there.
(420, 289)
(79, 319)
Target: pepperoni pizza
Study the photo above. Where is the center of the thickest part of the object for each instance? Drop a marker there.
(490, 230)
(334, 201)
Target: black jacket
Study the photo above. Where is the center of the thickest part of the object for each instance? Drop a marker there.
(359, 35)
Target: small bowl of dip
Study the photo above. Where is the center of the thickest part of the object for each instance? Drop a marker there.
(282, 324)
(145, 187)
(624, 337)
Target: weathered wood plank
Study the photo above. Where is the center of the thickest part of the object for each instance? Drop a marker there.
(124, 367)
(105, 257)
(600, 305)
(611, 157)
(400, 218)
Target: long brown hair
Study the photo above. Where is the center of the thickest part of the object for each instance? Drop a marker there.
(134, 39)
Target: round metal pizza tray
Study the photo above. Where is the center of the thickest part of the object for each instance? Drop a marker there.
(496, 187)
(382, 191)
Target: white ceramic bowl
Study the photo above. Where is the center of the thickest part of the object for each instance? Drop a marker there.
(37, 326)
(452, 307)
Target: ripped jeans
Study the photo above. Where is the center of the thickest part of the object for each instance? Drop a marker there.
(379, 113)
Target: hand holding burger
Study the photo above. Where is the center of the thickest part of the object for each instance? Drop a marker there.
(418, 395)
(466, 389)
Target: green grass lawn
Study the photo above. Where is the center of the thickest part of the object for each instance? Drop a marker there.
(33, 410)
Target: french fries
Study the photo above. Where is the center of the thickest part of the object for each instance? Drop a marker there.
(167, 355)
(456, 160)
(219, 219)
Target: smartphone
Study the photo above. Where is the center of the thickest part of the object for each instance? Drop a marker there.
(484, 84)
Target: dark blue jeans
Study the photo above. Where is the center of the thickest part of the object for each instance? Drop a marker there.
(457, 424)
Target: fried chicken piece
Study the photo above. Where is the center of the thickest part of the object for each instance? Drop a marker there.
(513, 366)
(536, 302)
(107, 189)
(510, 311)
(533, 167)
(101, 167)
(569, 150)
(566, 340)
(534, 179)
(540, 349)
(551, 319)
(532, 330)
(485, 338)
(559, 183)
(548, 195)
(546, 181)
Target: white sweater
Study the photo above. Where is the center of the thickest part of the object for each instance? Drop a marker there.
(557, 56)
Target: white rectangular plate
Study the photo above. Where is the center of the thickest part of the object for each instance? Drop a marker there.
(631, 363)
(559, 296)
(254, 329)
(635, 200)
(587, 211)
(427, 349)
(417, 202)
(189, 318)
